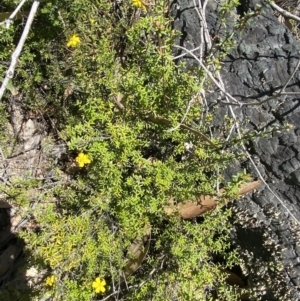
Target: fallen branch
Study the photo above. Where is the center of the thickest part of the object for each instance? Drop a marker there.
(14, 58)
(9, 20)
(283, 12)
(204, 203)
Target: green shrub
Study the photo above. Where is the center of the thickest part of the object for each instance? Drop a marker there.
(118, 97)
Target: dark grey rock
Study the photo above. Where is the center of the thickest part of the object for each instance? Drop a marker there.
(265, 56)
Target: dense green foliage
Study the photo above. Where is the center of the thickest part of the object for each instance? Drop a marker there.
(118, 97)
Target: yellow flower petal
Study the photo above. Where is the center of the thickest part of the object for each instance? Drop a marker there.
(139, 4)
(50, 280)
(73, 41)
(82, 159)
(99, 285)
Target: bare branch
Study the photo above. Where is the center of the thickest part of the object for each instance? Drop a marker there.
(12, 16)
(290, 93)
(283, 12)
(14, 58)
(209, 74)
(288, 81)
(184, 54)
(184, 116)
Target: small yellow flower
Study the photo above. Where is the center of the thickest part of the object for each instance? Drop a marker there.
(82, 159)
(139, 4)
(74, 41)
(99, 285)
(50, 280)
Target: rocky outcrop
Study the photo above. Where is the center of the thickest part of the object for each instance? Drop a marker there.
(265, 56)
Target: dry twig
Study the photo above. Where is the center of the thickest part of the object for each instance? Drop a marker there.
(14, 58)
(9, 20)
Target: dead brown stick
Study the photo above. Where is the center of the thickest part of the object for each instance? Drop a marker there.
(204, 203)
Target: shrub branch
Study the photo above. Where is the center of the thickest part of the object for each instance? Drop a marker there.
(14, 58)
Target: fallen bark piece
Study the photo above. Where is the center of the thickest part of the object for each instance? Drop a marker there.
(136, 254)
(202, 204)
